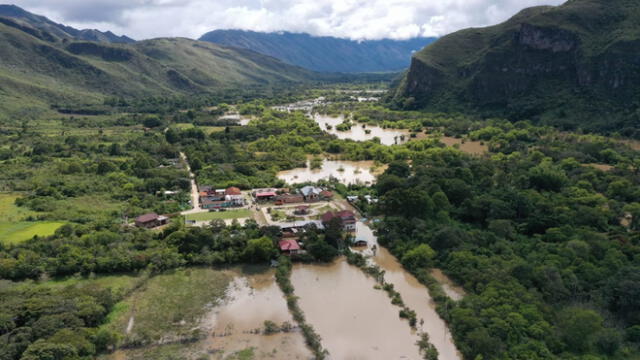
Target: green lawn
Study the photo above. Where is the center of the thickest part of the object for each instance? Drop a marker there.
(219, 215)
(16, 232)
(14, 228)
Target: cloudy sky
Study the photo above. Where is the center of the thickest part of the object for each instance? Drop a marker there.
(355, 19)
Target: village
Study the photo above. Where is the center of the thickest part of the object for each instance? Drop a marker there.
(293, 211)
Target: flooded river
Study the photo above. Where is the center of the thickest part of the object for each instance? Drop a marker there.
(415, 296)
(354, 320)
(250, 299)
(360, 133)
(357, 321)
(347, 172)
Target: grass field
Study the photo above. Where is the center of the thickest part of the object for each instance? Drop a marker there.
(13, 227)
(219, 215)
(16, 232)
(9, 212)
(168, 306)
(207, 129)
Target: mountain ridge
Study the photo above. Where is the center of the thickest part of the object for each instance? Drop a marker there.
(324, 53)
(39, 70)
(60, 31)
(542, 62)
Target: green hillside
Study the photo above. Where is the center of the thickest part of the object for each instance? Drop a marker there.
(36, 72)
(575, 65)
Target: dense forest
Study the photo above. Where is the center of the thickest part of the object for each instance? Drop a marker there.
(547, 245)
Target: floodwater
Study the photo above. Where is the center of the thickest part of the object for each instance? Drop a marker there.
(361, 132)
(250, 300)
(454, 291)
(354, 320)
(468, 146)
(414, 294)
(347, 172)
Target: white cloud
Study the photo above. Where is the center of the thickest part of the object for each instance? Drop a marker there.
(356, 19)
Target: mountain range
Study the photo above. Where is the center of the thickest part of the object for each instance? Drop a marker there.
(572, 65)
(44, 63)
(324, 54)
(15, 16)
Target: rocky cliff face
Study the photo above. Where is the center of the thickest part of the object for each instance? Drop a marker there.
(583, 56)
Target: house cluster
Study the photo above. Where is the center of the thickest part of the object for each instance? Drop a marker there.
(220, 198)
(307, 194)
(151, 220)
(291, 232)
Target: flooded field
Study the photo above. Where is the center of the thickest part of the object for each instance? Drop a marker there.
(415, 296)
(347, 172)
(354, 320)
(469, 147)
(237, 324)
(361, 132)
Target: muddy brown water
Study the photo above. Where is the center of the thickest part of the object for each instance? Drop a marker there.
(450, 288)
(347, 172)
(250, 300)
(415, 295)
(354, 320)
(359, 133)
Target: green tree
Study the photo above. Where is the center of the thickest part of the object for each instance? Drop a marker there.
(259, 250)
(579, 328)
(419, 257)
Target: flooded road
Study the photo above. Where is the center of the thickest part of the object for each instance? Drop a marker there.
(354, 320)
(414, 294)
(347, 172)
(250, 300)
(361, 132)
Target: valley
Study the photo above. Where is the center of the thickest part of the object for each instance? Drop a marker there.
(179, 199)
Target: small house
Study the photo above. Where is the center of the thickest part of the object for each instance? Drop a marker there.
(311, 193)
(233, 196)
(359, 242)
(326, 195)
(289, 246)
(347, 217)
(289, 199)
(266, 196)
(151, 220)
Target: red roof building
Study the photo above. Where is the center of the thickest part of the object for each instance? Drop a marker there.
(151, 220)
(326, 194)
(348, 219)
(289, 246)
(233, 191)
